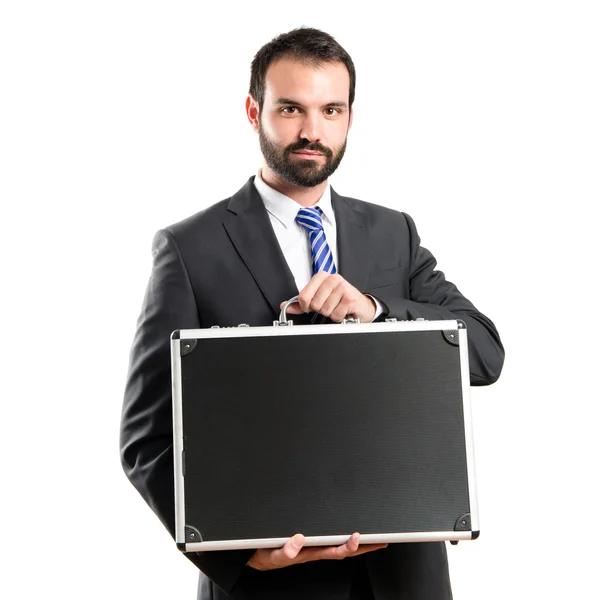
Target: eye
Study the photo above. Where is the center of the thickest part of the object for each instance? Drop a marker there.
(332, 111)
(287, 110)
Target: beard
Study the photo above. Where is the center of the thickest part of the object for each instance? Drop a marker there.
(297, 171)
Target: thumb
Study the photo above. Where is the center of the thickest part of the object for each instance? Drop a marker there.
(290, 550)
(293, 309)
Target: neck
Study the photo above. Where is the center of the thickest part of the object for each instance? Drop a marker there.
(305, 196)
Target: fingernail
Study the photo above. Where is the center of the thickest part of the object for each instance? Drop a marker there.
(297, 541)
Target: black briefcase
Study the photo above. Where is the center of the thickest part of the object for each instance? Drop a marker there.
(322, 430)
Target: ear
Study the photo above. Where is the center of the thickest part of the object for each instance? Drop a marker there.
(252, 111)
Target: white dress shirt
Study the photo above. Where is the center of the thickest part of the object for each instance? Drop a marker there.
(293, 238)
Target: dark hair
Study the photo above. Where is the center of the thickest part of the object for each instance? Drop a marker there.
(310, 46)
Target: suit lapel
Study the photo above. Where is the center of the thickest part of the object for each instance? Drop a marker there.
(352, 241)
(250, 231)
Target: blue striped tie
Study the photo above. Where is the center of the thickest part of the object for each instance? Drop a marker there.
(322, 257)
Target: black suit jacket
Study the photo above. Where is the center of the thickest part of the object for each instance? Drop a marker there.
(223, 266)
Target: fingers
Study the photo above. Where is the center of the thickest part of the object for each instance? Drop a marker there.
(329, 295)
(364, 548)
(333, 299)
(307, 294)
(352, 544)
(292, 309)
(293, 552)
(332, 296)
(351, 548)
(289, 552)
(343, 551)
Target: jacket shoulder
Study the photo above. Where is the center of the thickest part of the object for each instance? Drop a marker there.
(376, 212)
(203, 220)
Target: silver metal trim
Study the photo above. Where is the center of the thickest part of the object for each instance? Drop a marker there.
(178, 440)
(227, 332)
(351, 320)
(333, 540)
(468, 418)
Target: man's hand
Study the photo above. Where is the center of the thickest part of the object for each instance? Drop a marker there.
(332, 296)
(293, 553)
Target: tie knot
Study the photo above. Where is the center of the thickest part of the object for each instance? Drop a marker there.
(310, 218)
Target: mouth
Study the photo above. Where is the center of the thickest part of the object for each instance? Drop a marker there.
(307, 154)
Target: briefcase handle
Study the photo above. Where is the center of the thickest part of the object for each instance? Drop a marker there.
(283, 316)
(283, 321)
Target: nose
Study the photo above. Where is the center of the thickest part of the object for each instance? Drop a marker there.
(311, 129)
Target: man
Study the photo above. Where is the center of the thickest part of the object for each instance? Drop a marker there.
(287, 232)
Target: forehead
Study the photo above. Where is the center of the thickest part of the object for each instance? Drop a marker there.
(305, 83)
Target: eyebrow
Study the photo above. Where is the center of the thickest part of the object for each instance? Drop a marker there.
(290, 102)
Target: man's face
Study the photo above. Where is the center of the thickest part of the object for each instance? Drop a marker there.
(304, 121)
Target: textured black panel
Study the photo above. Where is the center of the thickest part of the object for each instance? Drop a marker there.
(324, 435)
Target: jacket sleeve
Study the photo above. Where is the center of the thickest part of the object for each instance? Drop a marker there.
(146, 437)
(432, 297)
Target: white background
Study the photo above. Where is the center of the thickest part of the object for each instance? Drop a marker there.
(479, 119)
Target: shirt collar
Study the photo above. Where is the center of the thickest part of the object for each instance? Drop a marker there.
(284, 209)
